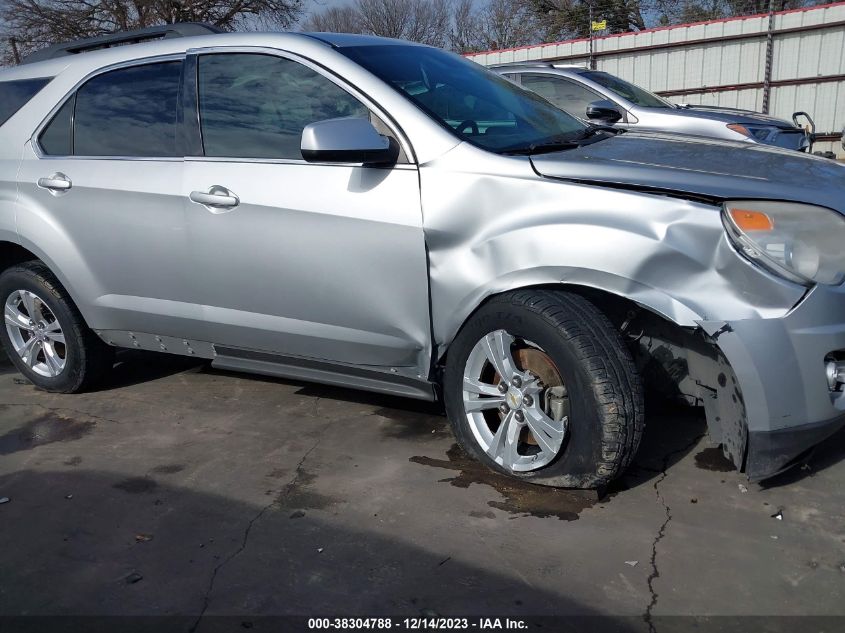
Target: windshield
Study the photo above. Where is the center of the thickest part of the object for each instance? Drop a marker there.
(471, 101)
(632, 93)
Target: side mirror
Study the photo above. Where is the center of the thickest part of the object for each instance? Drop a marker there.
(604, 110)
(347, 140)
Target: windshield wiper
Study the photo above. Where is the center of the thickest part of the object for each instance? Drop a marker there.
(555, 145)
(541, 148)
(595, 127)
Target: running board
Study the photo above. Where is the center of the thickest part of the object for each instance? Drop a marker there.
(322, 372)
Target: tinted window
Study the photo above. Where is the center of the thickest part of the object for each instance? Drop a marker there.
(474, 103)
(56, 139)
(15, 94)
(629, 91)
(566, 95)
(128, 112)
(256, 106)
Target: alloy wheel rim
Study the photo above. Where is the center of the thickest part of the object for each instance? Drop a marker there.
(35, 333)
(515, 401)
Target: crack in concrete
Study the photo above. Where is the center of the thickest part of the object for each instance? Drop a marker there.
(288, 487)
(661, 533)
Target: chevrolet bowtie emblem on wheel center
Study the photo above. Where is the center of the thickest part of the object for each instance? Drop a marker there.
(514, 398)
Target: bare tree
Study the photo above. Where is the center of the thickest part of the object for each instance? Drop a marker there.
(334, 20)
(464, 35)
(571, 18)
(463, 25)
(682, 11)
(425, 21)
(37, 23)
(507, 23)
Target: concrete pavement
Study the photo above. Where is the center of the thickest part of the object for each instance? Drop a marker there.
(177, 489)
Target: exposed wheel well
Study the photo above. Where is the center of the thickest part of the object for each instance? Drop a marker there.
(12, 254)
(617, 308)
(675, 362)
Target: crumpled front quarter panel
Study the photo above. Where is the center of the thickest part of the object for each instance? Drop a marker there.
(492, 224)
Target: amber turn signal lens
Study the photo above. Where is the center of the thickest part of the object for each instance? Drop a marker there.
(736, 127)
(746, 220)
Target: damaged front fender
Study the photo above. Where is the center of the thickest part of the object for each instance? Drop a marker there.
(503, 227)
(492, 224)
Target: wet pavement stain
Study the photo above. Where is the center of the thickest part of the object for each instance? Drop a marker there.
(136, 485)
(45, 429)
(478, 514)
(400, 424)
(520, 498)
(168, 469)
(713, 459)
(299, 495)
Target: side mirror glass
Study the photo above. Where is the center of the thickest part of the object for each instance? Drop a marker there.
(604, 110)
(347, 140)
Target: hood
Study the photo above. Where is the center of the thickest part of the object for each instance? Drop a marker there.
(699, 167)
(731, 115)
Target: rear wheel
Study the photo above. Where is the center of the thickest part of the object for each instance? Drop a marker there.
(539, 385)
(44, 334)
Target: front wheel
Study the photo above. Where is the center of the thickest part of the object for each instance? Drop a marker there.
(539, 385)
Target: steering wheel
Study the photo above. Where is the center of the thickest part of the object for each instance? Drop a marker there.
(469, 123)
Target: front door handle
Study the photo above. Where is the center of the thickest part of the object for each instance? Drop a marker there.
(215, 198)
(57, 183)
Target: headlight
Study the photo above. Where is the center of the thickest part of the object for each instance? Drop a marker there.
(800, 242)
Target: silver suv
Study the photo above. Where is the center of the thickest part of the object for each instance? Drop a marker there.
(388, 216)
(600, 97)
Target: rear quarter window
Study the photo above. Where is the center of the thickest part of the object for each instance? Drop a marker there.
(16, 94)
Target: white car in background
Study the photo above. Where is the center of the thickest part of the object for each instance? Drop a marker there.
(600, 97)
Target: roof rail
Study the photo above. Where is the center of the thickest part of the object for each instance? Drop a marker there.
(163, 31)
(522, 64)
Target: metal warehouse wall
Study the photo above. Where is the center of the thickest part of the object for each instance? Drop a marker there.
(723, 63)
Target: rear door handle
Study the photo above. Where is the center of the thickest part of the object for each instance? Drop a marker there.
(215, 198)
(56, 183)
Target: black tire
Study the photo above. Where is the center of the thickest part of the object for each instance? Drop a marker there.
(87, 358)
(606, 418)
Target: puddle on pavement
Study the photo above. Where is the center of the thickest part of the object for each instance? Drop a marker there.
(520, 498)
(45, 429)
(713, 459)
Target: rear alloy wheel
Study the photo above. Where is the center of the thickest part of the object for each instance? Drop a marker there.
(539, 385)
(35, 333)
(45, 336)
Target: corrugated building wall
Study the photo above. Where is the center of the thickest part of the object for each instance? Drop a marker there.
(723, 63)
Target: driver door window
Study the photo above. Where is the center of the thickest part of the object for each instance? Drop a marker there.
(256, 106)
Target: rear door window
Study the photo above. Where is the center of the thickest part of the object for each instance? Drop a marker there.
(127, 112)
(16, 94)
(56, 139)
